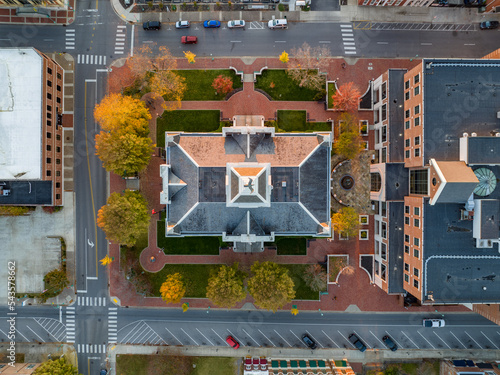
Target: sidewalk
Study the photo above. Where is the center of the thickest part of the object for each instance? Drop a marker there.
(43, 16)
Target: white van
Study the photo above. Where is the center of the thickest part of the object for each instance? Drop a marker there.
(278, 24)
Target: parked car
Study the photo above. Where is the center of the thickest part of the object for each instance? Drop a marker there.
(103, 372)
(309, 341)
(389, 343)
(489, 25)
(278, 24)
(182, 24)
(151, 25)
(433, 323)
(235, 23)
(211, 24)
(232, 342)
(357, 342)
(189, 40)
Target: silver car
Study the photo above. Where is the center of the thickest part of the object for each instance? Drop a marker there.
(235, 23)
(182, 24)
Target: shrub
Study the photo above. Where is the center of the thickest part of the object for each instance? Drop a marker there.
(174, 8)
(281, 7)
(150, 4)
(15, 210)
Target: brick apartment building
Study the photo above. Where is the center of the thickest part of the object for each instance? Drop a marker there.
(433, 181)
(31, 102)
(469, 367)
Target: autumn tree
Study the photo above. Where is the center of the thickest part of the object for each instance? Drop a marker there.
(56, 367)
(173, 289)
(148, 58)
(284, 57)
(346, 98)
(346, 221)
(124, 218)
(270, 286)
(349, 143)
(315, 277)
(225, 287)
(170, 86)
(222, 84)
(306, 65)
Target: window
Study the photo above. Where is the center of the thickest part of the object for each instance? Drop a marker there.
(58, 185)
(407, 113)
(58, 173)
(407, 95)
(415, 283)
(407, 85)
(384, 229)
(384, 209)
(375, 182)
(49, 83)
(58, 88)
(49, 122)
(407, 238)
(49, 148)
(48, 173)
(416, 140)
(407, 249)
(49, 96)
(49, 135)
(377, 226)
(407, 220)
(383, 251)
(49, 160)
(49, 115)
(416, 79)
(416, 253)
(407, 142)
(407, 124)
(416, 223)
(407, 210)
(376, 267)
(416, 271)
(416, 110)
(416, 241)
(416, 211)
(418, 181)
(384, 112)
(417, 152)
(384, 155)
(382, 271)
(58, 196)
(384, 133)
(416, 91)
(58, 149)
(377, 247)
(49, 71)
(58, 161)
(416, 121)
(59, 76)
(49, 108)
(407, 279)
(58, 137)
(58, 99)
(407, 154)
(384, 90)
(407, 267)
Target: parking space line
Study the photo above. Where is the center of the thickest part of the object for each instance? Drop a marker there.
(473, 340)
(489, 340)
(42, 340)
(303, 343)
(219, 336)
(449, 347)
(410, 340)
(240, 341)
(458, 340)
(187, 334)
(346, 339)
(175, 337)
(283, 338)
(266, 337)
(211, 343)
(377, 339)
(368, 345)
(330, 339)
(21, 335)
(314, 338)
(393, 339)
(433, 347)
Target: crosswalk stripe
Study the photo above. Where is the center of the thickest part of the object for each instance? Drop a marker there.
(70, 43)
(349, 43)
(120, 39)
(113, 308)
(122, 26)
(348, 34)
(350, 52)
(349, 25)
(112, 312)
(86, 62)
(78, 62)
(346, 47)
(348, 39)
(70, 47)
(120, 44)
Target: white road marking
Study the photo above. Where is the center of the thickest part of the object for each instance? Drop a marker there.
(35, 333)
(235, 41)
(267, 338)
(393, 339)
(489, 339)
(383, 345)
(473, 340)
(237, 339)
(458, 340)
(314, 338)
(348, 34)
(220, 336)
(368, 345)
(350, 52)
(348, 47)
(410, 340)
(21, 335)
(283, 338)
(346, 26)
(175, 337)
(211, 343)
(433, 347)
(470, 44)
(298, 338)
(449, 347)
(324, 41)
(349, 44)
(280, 41)
(330, 339)
(346, 339)
(348, 39)
(382, 42)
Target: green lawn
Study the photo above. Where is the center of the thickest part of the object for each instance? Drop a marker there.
(188, 245)
(291, 245)
(199, 83)
(280, 86)
(215, 366)
(296, 121)
(195, 277)
(331, 91)
(302, 291)
(187, 121)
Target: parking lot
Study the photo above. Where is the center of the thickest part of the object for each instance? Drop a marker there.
(368, 25)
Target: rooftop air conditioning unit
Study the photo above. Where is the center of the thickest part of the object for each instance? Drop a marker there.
(497, 134)
(498, 113)
(473, 134)
(465, 135)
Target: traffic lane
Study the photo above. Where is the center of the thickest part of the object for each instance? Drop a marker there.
(46, 38)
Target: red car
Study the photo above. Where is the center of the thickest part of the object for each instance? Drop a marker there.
(189, 40)
(232, 342)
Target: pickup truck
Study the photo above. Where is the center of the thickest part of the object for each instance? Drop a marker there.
(357, 342)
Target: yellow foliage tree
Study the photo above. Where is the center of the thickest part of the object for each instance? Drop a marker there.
(346, 220)
(173, 289)
(284, 57)
(190, 56)
(106, 260)
(295, 311)
(170, 86)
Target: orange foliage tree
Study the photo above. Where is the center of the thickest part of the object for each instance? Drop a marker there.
(173, 289)
(346, 98)
(222, 85)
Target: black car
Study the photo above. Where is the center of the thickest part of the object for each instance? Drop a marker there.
(357, 342)
(309, 341)
(389, 343)
(489, 25)
(151, 25)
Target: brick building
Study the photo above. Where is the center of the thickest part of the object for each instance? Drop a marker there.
(433, 181)
(31, 102)
(35, 3)
(469, 367)
(277, 366)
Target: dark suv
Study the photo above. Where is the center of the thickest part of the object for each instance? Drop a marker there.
(151, 25)
(357, 342)
(309, 341)
(389, 343)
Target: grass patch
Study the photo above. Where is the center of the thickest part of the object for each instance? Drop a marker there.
(199, 83)
(214, 366)
(195, 277)
(280, 86)
(296, 121)
(291, 245)
(302, 291)
(331, 91)
(187, 121)
(335, 265)
(136, 364)
(188, 245)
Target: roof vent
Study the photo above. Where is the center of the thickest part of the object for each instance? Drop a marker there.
(497, 134)
(498, 114)
(465, 135)
(473, 134)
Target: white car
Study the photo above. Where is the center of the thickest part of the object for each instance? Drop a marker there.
(182, 24)
(235, 23)
(278, 24)
(433, 323)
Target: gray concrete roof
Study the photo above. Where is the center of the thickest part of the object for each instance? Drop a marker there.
(396, 115)
(27, 193)
(484, 150)
(396, 247)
